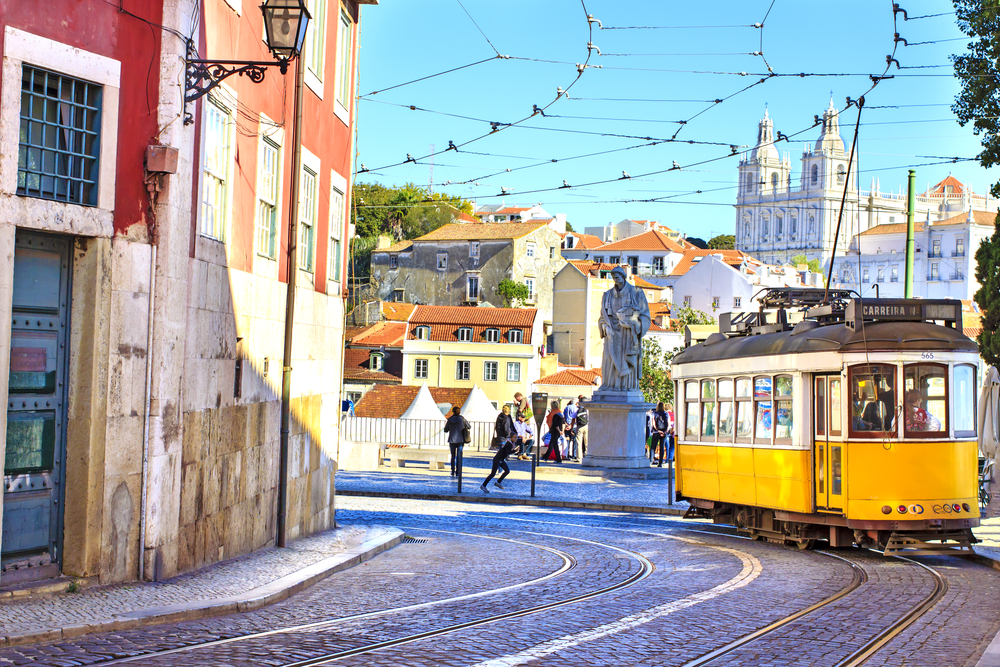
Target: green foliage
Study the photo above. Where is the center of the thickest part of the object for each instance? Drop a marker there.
(697, 242)
(513, 293)
(722, 242)
(360, 259)
(370, 213)
(813, 264)
(686, 316)
(978, 101)
(463, 205)
(569, 226)
(655, 382)
(425, 218)
(988, 297)
(380, 209)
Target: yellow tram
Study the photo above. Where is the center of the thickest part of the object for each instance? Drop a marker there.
(855, 424)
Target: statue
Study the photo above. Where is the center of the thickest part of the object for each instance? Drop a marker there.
(623, 322)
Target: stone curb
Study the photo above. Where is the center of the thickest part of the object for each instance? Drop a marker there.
(500, 500)
(276, 591)
(983, 560)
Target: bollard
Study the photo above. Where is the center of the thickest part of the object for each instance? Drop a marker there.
(670, 486)
(539, 404)
(458, 464)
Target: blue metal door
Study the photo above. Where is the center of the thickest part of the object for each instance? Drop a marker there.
(36, 409)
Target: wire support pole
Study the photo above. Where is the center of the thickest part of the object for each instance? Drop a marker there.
(911, 186)
(291, 269)
(843, 199)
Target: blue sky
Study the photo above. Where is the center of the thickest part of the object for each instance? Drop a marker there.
(651, 73)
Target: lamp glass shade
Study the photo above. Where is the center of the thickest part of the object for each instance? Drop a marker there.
(285, 22)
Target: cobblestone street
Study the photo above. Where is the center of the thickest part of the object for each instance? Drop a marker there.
(496, 586)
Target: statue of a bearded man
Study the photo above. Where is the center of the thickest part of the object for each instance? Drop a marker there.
(623, 322)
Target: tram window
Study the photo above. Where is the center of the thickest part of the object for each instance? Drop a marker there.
(691, 391)
(873, 399)
(743, 388)
(744, 419)
(835, 413)
(762, 387)
(783, 387)
(835, 470)
(725, 390)
(691, 421)
(726, 413)
(820, 406)
(783, 407)
(763, 410)
(926, 400)
(965, 400)
(708, 419)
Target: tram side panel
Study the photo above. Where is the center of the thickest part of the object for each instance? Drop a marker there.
(784, 479)
(737, 469)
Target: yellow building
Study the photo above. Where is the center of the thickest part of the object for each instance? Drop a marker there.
(462, 346)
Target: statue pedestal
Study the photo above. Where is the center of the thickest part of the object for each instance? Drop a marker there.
(617, 430)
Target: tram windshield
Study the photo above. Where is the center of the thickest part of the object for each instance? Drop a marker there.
(873, 398)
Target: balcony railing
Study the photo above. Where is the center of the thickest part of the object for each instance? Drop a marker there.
(935, 254)
(894, 279)
(933, 278)
(958, 253)
(957, 276)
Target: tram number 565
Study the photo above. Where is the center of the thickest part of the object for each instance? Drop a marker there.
(926, 355)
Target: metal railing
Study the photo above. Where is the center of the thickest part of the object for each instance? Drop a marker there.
(958, 253)
(958, 276)
(415, 433)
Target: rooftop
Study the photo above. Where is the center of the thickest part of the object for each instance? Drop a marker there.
(979, 217)
(357, 367)
(474, 315)
(584, 241)
(572, 376)
(388, 334)
(651, 240)
(484, 232)
(397, 311)
(733, 258)
(592, 268)
(391, 401)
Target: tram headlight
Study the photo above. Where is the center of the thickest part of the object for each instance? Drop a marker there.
(966, 507)
(957, 507)
(886, 509)
(901, 509)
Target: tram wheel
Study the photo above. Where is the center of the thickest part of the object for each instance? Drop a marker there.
(805, 545)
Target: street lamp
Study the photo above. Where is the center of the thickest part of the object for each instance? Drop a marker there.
(285, 23)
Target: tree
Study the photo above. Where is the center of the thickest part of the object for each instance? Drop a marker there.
(569, 226)
(813, 264)
(697, 242)
(722, 242)
(979, 102)
(370, 211)
(655, 382)
(423, 219)
(512, 292)
(463, 205)
(988, 297)
(688, 315)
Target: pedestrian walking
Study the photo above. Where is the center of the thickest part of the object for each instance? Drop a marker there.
(582, 419)
(569, 414)
(504, 428)
(499, 461)
(557, 425)
(671, 432)
(459, 432)
(522, 407)
(525, 437)
(659, 428)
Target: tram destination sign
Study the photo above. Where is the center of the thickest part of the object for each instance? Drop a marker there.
(903, 310)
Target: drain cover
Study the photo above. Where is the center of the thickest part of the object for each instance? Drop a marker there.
(414, 540)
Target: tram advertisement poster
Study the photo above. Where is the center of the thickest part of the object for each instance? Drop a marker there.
(762, 388)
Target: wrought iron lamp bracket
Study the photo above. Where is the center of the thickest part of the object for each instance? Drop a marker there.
(202, 76)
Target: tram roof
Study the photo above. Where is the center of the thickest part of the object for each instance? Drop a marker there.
(874, 336)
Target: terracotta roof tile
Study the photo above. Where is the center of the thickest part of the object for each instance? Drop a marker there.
(651, 240)
(585, 241)
(474, 316)
(511, 210)
(593, 268)
(357, 367)
(391, 401)
(572, 376)
(484, 232)
(397, 311)
(638, 281)
(733, 258)
(938, 188)
(465, 217)
(389, 334)
(979, 217)
(659, 308)
(972, 332)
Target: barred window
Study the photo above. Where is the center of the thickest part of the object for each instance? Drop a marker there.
(267, 198)
(60, 137)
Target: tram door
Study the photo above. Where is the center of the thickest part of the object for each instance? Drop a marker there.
(828, 449)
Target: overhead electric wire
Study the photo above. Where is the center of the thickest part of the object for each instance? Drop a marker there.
(431, 76)
(477, 26)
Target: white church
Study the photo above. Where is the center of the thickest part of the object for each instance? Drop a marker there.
(775, 222)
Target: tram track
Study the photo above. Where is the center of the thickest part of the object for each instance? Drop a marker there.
(646, 568)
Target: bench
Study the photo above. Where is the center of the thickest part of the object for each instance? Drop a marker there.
(437, 458)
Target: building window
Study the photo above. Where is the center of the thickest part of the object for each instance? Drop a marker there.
(472, 288)
(307, 220)
(490, 371)
(658, 265)
(474, 250)
(492, 335)
(464, 334)
(936, 248)
(774, 180)
(737, 302)
(552, 252)
(336, 229)
(894, 275)
(375, 361)
(60, 137)
(515, 336)
(633, 262)
(815, 174)
(779, 226)
(267, 198)
(530, 284)
(344, 65)
(864, 276)
(442, 261)
(687, 301)
(422, 333)
(715, 303)
(513, 371)
(215, 177)
(397, 295)
(793, 226)
(393, 262)
(881, 276)
(599, 259)
(316, 48)
(934, 272)
(420, 369)
(959, 247)
(530, 249)
(462, 369)
(841, 174)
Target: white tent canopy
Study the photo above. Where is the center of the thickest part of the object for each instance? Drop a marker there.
(423, 407)
(478, 408)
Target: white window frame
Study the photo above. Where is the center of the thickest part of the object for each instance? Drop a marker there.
(737, 301)
(442, 261)
(529, 249)
(515, 333)
(20, 47)
(269, 137)
(218, 227)
(336, 227)
(491, 366)
(464, 334)
(423, 332)
(492, 335)
(474, 249)
(376, 361)
(469, 278)
(687, 301)
(315, 46)
(345, 67)
(659, 263)
(552, 252)
(420, 369)
(715, 302)
(306, 249)
(463, 369)
(393, 261)
(530, 284)
(513, 371)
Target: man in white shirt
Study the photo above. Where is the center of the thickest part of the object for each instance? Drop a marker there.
(525, 437)
(569, 414)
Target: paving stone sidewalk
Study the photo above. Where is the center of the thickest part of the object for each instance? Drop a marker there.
(239, 584)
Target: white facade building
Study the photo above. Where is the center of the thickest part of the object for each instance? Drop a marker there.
(775, 222)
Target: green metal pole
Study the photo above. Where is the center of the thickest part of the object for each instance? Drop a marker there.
(911, 195)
